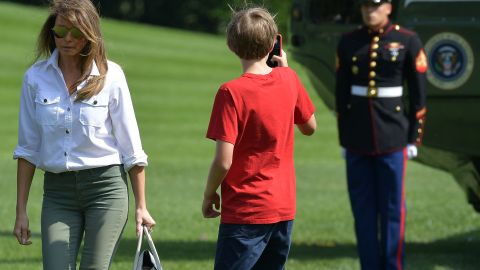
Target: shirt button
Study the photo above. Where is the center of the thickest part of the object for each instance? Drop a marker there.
(67, 131)
(65, 153)
(95, 102)
(45, 100)
(68, 109)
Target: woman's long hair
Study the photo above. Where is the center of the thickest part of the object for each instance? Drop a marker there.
(83, 15)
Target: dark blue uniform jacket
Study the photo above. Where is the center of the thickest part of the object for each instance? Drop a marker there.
(392, 57)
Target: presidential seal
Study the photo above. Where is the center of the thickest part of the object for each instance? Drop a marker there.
(450, 60)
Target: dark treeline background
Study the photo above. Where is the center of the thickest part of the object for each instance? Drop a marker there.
(197, 15)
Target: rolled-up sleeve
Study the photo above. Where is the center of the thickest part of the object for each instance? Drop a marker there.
(28, 131)
(124, 123)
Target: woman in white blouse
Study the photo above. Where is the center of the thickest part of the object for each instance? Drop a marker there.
(77, 123)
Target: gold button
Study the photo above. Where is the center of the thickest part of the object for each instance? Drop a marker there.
(398, 108)
(373, 92)
(372, 74)
(372, 83)
(394, 59)
(354, 59)
(420, 121)
(373, 64)
(418, 139)
(374, 46)
(419, 130)
(380, 31)
(355, 70)
(376, 39)
(374, 55)
(397, 27)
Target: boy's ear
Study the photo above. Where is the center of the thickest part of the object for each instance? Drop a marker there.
(273, 45)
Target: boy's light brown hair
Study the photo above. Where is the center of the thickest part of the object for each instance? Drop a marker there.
(251, 33)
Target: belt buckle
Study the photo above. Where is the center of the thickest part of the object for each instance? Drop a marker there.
(372, 92)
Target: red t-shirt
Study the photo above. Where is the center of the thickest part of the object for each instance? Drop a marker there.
(257, 114)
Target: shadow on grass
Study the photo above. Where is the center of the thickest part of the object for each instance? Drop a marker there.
(455, 252)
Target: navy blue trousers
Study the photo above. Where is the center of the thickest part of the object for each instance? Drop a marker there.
(377, 195)
(253, 246)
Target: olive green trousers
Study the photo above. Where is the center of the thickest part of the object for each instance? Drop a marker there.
(89, 204)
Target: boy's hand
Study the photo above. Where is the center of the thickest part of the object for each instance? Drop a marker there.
(207, 206)
(281, 60)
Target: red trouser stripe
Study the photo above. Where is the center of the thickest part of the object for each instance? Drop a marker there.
(402, 215)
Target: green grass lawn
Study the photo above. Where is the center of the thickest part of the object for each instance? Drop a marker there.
(173, 77)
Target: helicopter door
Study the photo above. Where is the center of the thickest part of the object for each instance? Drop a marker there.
(449, 31)
(327, 21)
(316, 27)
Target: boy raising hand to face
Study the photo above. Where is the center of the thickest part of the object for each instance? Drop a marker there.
(252, 122)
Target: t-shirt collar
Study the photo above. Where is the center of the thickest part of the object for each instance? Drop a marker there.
(259, 76)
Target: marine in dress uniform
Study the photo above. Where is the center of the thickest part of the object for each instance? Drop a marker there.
(379, 122)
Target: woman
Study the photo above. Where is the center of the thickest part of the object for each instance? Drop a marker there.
(77, 124)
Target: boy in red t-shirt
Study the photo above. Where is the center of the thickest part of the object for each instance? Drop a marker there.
(252, 123)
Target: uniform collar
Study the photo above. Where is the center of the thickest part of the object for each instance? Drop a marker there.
(381, 31)
(53, 61)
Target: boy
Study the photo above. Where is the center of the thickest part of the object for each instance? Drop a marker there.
(252, 123)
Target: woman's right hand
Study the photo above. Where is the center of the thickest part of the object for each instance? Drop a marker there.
(21, 230)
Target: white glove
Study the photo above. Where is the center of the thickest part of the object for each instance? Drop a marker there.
(412, 151)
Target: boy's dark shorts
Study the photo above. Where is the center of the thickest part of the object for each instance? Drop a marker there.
(253, 246)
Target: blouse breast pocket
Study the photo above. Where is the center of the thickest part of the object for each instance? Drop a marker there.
(94, 111)
(46, 110)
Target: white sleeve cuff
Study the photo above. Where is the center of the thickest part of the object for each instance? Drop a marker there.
(28, 155)
(139, 159)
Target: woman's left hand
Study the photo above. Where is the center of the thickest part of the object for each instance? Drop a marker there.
(142, 217)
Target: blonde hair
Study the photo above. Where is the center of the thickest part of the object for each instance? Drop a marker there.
(251, 33)
(83, 15)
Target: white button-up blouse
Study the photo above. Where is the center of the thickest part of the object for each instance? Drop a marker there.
(58, 134)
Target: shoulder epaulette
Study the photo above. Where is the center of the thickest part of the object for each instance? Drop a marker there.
(404, 30)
